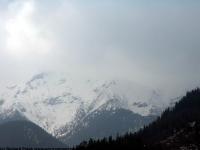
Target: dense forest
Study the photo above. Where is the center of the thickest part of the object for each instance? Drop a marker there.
(176, 128)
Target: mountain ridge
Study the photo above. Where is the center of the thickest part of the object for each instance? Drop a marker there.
(56, 102)
(178, 128)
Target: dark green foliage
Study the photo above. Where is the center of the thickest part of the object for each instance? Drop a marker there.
(126, 142)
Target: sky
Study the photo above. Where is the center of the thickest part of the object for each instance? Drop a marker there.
(153, 42)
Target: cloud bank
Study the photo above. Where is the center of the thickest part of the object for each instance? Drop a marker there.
(154, 43)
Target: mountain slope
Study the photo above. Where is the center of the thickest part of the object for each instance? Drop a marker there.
(100, 124)
(178, 128)
(26, 134)
(173, 119)
(55, 101)
(11, 115)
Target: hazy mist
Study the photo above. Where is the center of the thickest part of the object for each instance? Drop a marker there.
(154, 43)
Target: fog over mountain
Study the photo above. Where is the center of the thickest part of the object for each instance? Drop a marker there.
(59, 104)
(71, 70)
(153, 43)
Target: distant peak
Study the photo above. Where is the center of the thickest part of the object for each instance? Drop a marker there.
(38, 77)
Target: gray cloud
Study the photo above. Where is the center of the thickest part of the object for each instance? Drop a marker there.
(154, 43)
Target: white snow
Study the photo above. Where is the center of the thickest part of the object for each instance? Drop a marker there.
(52, 100)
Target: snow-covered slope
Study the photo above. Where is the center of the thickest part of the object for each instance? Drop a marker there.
(53, 101)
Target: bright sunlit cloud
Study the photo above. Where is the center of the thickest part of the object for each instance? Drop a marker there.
(24, 39)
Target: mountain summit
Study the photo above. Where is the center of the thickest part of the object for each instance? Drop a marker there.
(58, 102)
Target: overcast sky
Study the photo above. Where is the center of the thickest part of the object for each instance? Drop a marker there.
(153, 42)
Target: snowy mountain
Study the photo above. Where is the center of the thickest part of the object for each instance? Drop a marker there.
(56, 101)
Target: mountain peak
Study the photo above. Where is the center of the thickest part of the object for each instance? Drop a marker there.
(53, 100)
